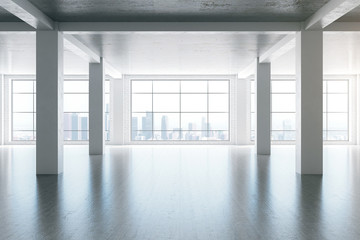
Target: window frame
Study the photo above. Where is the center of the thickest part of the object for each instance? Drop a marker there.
(8, 108)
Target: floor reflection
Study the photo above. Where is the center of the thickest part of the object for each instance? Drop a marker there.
(180, 192)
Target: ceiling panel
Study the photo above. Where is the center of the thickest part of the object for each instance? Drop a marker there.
(181, 10)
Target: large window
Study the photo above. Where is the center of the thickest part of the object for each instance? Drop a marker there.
(76, 110)
(283, 110)
(336, 110)
(189, 110)
(23, 109)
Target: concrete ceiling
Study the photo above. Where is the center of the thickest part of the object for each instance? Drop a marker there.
(181, 10)
(180, 53)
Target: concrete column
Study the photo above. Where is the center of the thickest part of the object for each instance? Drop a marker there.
(96, 108)
(118, 111)
(309, 97)
(263, 108)
(49, 102)
(2, 116)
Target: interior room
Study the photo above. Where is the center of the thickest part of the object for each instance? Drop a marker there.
(179, 120)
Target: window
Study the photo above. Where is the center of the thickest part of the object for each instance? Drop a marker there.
(283, 116)
(336, 110)
(76, 110)
(175, 110)
(23, 109)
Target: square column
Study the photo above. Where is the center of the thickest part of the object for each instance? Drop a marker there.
(309, 102)
(96, 108)
(263, 108)
(49, 102)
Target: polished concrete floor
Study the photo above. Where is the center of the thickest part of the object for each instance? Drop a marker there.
(180, 192)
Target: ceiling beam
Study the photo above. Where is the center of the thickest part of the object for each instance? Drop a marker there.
(112, 71)
(73, 27)
(27, 12)
(15, 27)
(329, 13)
(279, 49)
(343, 27)
(247, 71)
(80, 49)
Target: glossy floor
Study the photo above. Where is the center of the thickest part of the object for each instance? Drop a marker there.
(180, 192)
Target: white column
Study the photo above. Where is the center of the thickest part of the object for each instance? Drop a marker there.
(2, 117)
(96, 108)
(49, 102)
(309, 97)
(263, 108)
(117, 132)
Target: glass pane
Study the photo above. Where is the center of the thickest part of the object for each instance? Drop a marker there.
(194, 135)
(324, 121)
(107, 121)
(194, 102)
(22, 135)
(283, 121)
(194, 86)
(141, 135)
(166, 86)
(167, 121)
(107, 136)
(218, 121)
(194, 121)
(252, 103)
(76, 86)
(141, 86)
(23, 102)
(337, 86)
(283, 86)
(252, 121)
(252, 87)
(76, 121)
(337, 102)
(283, 135)
(218, 103)
(337, 136)
(218, 86)
(325, 86)
(141, 102)
(283, 103)
(107, 86)
(252, 135)
(218, 135)
(337, 121)
(167, 135)
(76, 135)
(23, 121)
(324, 102)
(22, 86)
(166, 102)
(141, 121)
(107, 102)
(76, 102)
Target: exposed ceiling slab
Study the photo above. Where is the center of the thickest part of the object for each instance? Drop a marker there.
(179, 53)
(175, 11)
